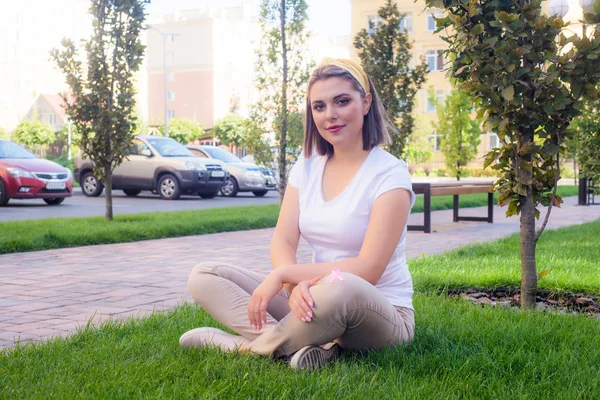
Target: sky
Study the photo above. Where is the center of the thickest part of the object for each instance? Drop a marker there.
(327, 17)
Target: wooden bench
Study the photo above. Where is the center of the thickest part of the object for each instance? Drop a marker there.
(454, 189)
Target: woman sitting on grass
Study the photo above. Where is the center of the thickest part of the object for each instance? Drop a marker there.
(349, 199)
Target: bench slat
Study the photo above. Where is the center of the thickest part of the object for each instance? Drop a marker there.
(460, 190)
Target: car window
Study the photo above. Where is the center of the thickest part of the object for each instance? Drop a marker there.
(198, 153)
(137, 147)
(13, 150)
(169, 148)
(221, 154)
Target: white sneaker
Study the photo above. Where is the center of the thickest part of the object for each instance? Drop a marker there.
(201, 337)
(314, 357)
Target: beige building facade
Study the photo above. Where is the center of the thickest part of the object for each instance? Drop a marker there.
(420, 25)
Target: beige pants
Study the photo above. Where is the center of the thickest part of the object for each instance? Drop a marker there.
(353, 313)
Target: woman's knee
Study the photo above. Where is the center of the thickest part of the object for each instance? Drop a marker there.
(334, 291)
(201, 274)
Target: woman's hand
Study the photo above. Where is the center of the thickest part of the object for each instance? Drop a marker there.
(301, 302)
(261, 297)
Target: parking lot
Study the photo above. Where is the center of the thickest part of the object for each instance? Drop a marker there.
(81, 206)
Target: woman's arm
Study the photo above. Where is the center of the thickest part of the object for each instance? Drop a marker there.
(388, 219)
(284, 244)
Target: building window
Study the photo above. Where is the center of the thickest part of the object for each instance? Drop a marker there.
(170, 95)
(435, 60)
(439, 96)
(431, 25)
(493, 141)
(48, 118)
(170, 114)
(171, 76)
(406, 25)
(436, 141)
(374, 20)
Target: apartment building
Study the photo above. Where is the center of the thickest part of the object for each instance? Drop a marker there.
(420, 24)
(207, 57)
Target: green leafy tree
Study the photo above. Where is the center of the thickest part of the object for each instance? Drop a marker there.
(183, 130)
(231, 129)
(102, 100)
(527, 79)
(585, 131)
(62, 136)
(257, 144)
(282, 71)
(34, 134)
(386, 55)
(4, 134)
(418, 149)
(460, 133)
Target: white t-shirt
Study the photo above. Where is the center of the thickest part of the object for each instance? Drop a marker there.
(336, 229)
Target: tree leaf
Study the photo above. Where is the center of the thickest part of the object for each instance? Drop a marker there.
(513, 208)
(508, 93)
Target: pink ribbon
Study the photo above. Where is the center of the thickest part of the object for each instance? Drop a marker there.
(335, 274)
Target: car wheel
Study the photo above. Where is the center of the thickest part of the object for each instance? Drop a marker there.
(3, 194)
(132, 192)
(90, 186)
(168, 187)
(260, 193)
(208, 195)
(230, 188)
(54, 201)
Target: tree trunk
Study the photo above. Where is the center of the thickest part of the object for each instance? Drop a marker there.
(528, 242)
(284, 110)
(108, 194)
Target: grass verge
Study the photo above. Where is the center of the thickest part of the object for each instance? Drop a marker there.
(570, 255)
(43, 234)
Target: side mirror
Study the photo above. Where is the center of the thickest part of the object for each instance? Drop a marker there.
(146, 152)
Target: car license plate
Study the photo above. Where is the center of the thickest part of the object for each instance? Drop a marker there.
(56, 185)
(217, 174)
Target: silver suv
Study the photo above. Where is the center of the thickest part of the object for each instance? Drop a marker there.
(243, 177)
(158, 164)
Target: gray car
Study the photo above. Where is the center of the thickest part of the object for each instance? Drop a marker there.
(243, 177)
(158, 164)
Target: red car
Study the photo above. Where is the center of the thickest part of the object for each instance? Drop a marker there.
(25, 176)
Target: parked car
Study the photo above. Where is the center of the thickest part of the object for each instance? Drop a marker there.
(243, 177)
(158, 164)
(273, 170)
(25, 176)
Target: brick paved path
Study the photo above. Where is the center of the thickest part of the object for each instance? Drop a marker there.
(53, 292)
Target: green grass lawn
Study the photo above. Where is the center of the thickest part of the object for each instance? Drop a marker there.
(570, 255)
(42, 234)
(460, 351)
